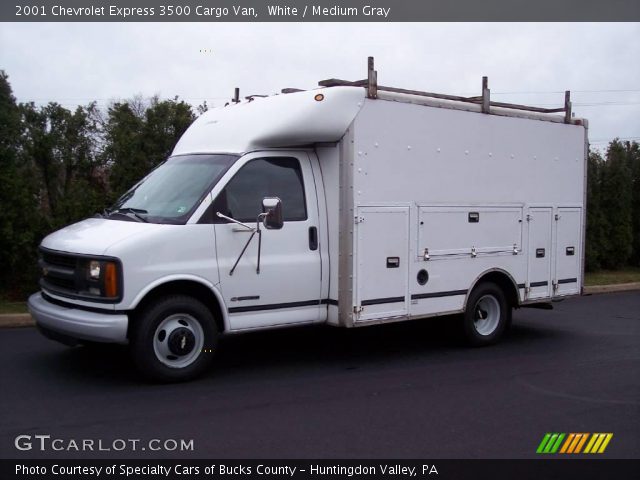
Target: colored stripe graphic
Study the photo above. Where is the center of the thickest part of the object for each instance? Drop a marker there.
(556, 445)
(550, 443)
(591, 442)
(598, 443)
(573, 443)
(581, 442)
(596, 446)
(605, 443)
(543, 443)
(567, 443)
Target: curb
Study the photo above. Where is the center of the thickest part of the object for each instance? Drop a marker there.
(16, 320)
(620, 287)
(20, 320)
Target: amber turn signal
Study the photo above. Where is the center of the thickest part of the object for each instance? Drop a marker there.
(110, 280)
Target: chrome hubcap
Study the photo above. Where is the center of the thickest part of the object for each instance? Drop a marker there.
(178, 340)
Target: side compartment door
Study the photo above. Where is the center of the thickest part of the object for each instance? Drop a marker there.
(382, 255)
(568, 254)
(539, 252)
(287, 287)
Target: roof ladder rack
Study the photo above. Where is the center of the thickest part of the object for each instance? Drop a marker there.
(371, 84)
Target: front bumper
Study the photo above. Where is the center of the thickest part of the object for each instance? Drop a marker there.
(77, 323)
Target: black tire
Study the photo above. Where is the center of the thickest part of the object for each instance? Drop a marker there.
(487, 315)
(174, 339)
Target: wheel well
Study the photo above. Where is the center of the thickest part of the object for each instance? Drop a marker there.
(188, 288)
(505, 282)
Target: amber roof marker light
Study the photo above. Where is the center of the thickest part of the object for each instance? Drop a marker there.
(319, 97)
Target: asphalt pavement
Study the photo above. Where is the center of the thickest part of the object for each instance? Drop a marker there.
(406, 390)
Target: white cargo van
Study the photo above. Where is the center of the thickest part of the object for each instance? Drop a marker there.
(350, 205)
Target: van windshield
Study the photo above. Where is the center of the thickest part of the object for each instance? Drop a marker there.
(172, 192)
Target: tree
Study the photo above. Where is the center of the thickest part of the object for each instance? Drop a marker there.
(616, 206)
(123, 154)
(633, 157)
(63, 147)
(165, 122)
(19, 218)
(597, 224)
(139, 137)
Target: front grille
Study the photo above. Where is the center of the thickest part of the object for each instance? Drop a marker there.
(60, 259)
(60, 272)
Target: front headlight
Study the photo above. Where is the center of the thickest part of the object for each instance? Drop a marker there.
(102, 278)
(94, 269)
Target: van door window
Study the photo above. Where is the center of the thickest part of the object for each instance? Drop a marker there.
(278, 177)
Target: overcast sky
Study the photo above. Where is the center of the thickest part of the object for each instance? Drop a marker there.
(75, 63)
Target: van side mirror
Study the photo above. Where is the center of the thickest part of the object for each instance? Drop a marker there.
(272, 207)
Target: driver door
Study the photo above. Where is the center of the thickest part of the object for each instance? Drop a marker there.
(287, 287)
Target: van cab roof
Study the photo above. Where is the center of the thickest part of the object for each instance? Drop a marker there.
(300, 118)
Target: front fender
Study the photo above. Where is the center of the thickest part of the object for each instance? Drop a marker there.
(188, 278)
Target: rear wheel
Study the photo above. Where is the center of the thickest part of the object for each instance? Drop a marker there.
(487, 315)
(174, 339)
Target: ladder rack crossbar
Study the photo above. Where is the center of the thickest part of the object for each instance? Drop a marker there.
(372, 87)
(335, 82)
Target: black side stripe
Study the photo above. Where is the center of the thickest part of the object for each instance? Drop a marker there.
(380, 301)
(544, 284)
(276, 306)
(242, 299)
(450, 293)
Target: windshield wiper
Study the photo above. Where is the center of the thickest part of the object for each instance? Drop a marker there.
(133, 211)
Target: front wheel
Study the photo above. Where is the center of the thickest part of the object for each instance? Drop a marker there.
(486, 316)
(174, 339)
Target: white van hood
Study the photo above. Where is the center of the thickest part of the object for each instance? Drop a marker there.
(95, 235)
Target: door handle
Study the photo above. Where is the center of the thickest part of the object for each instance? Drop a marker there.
(313, 238)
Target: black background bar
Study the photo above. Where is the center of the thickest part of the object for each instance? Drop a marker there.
(546, 467)
(322, 11)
